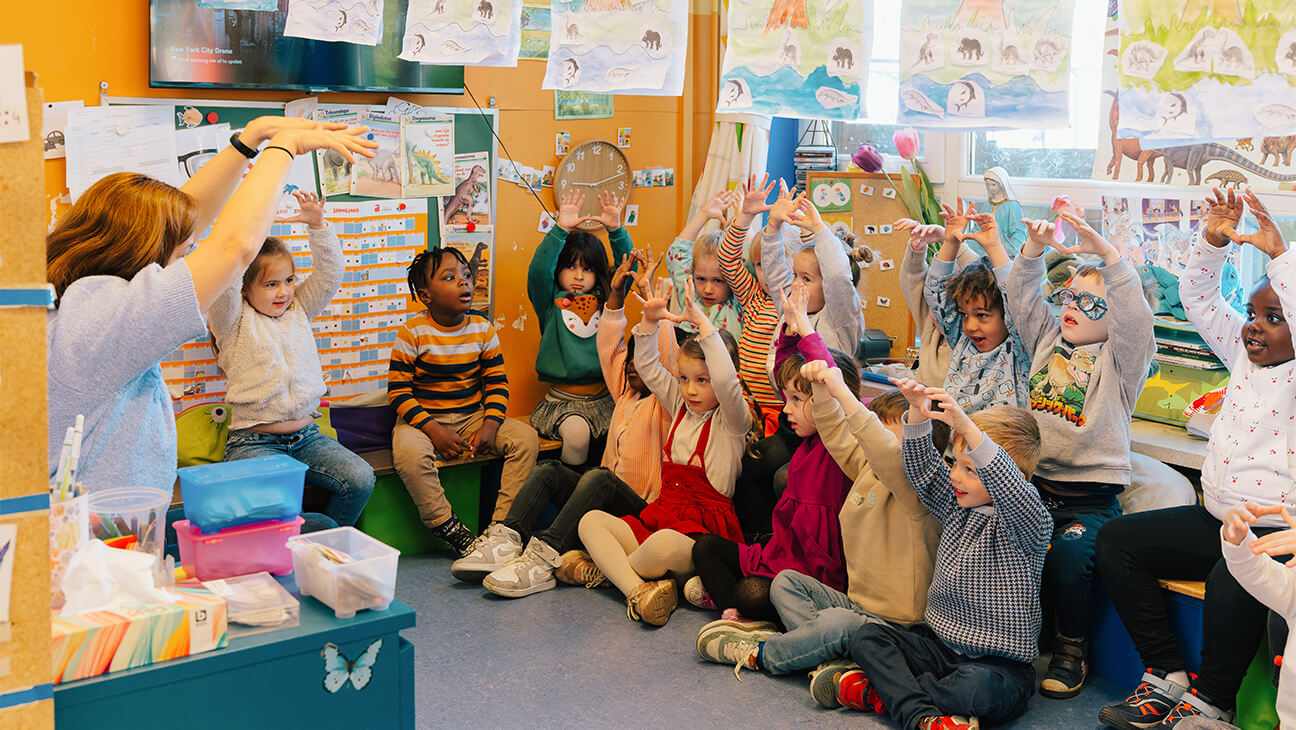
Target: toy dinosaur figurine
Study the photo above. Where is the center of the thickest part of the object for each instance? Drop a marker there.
(465, 194)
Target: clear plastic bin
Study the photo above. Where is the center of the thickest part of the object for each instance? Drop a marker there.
(133, 518)
(345, 569)
(241, 492)
(238, 550)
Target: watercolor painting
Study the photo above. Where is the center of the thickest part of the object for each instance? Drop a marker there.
(797, 58)
(345, 21)
(985, 64)
(623, 46)
(1193, 71)
(477, 33)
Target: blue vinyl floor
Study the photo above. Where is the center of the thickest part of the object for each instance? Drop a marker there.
(569, 658)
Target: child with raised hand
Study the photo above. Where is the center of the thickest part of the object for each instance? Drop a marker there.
(934, 349)
(973, 657)
(988, 363)
(699, 464)
(567, 283)
(1248, 460)
(623, 485)
(806, 537)
(1087, 370)
(265, 346)
(696, 255)
(448, 385)
(760, 316)
(824, 265)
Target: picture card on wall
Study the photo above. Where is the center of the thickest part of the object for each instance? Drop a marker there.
(13, 95)
(54, 124)
(344, 21)
(631, 215)
(471, 201)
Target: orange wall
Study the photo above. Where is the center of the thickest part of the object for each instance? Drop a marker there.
(85, 43)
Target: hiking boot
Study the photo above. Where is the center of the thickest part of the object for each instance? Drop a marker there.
(854, 690)
(577, 569)
(490, 552)
(530, 572)
(457, 535)
(695, 593)
(1194, 704)
(727, 645)
(652, 602)
(823, 681)
(1067, 669)
(1147, 706)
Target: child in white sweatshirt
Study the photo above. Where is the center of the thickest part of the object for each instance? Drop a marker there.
(264, 344)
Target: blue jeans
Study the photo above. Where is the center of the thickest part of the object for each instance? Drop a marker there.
(820, 622)
(332, 466)
(916, 675)
(1067, 582)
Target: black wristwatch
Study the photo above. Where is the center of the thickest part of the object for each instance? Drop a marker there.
(243, 149)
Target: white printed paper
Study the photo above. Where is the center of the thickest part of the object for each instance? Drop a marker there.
(13, 97)
(346, 21)
(104, 140)
(53, 124)
(463, 32)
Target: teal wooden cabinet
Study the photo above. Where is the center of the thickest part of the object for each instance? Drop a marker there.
(274, 679)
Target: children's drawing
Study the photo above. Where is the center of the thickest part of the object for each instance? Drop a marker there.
(261, 5)
(480, 33)
(626, 46)
(1197, 72)
(471, 201)
(427, 144)
(976, 64)
(380, 176)
(797, 58)
(346, 21)
(1262, 161)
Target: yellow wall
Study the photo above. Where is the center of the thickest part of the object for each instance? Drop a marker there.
(75, 45)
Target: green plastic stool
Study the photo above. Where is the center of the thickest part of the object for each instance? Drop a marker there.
(1256, 697)
(390, 515)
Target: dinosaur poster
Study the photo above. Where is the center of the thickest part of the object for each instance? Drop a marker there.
(1261, 162)
(463, 32)
(346, 21)
(334, 169)
(985, 64)
(624, 46)
(427, 146)
(478, 247)
(1206, 70)
(471, 201)
(797, 58)
(380, 176)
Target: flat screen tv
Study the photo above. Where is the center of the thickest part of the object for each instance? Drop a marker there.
(206, 43)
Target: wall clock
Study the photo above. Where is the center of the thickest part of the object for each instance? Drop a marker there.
(592, 168)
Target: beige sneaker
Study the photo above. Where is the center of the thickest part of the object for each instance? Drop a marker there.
(652, 602)
(577, 569)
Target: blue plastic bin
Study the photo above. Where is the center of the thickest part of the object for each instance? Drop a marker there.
(241, 492)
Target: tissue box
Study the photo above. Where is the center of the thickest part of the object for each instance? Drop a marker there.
(97, 642)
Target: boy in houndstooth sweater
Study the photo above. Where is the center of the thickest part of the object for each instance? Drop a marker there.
(973, 657)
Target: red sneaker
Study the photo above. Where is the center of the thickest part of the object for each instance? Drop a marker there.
(854, 690)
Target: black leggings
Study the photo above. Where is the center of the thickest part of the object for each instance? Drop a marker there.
(1181, 543)
(716, 561)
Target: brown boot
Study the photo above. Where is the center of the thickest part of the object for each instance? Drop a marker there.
(652, 602)
(577, 569)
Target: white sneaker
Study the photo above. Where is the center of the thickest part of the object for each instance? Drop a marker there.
(696, 594)
(531, 572)
(490, 551)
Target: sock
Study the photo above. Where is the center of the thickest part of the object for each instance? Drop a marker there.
(1180, 678)
(753, 660)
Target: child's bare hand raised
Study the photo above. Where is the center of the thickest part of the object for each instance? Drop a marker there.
(656, 301)
(1240, 517)
(1268, 239)
(623, 273)
(693, 313)
(609, 210)
(921, 235)
(1088, 240)
(942, 407)
(717, 205)
(956, 220)
(1277, 543)
(807, 217)
(795, 302)
(1223, 213)
(312, 210)
(913, 391)
(823, 373)
(569, 210)
(1040, 238)
(784, 208)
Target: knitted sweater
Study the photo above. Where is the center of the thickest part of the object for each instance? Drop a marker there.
(1251, 456)
(984, 597)
(447, 371)
(1083, 397)
(105, 343)
(568, 353)
(841, 321)
(638, 421)
(807, 536)
(726, 315)
(759, 319)
(888, 535)
(271, 366)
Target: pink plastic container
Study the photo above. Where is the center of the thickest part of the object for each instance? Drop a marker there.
(235, 551)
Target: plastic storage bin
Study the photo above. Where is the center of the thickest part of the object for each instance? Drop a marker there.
(345, 569)
(133, 518)
(232, 493)
(237, 551)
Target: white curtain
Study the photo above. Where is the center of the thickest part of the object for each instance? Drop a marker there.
(739, 147)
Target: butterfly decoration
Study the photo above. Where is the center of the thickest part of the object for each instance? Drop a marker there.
(337, 669)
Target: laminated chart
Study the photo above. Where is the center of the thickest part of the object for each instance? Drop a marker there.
(355, 334)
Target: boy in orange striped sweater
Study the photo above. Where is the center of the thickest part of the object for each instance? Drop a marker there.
(450, 391)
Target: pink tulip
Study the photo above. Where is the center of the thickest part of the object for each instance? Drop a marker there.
(867, 158)
(906, 142)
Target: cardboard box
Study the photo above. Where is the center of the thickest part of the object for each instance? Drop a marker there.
(94, 643)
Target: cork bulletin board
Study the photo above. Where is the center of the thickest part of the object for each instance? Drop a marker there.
(25, 639)
(867, 205)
